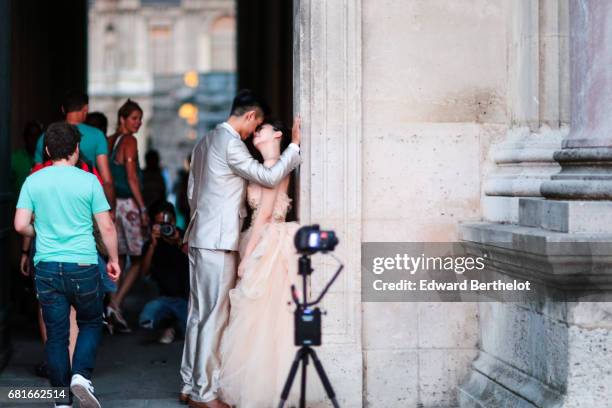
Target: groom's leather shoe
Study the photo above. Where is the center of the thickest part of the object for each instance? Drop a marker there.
(184, 398)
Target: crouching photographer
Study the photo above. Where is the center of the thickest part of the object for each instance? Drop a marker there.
(166, 262)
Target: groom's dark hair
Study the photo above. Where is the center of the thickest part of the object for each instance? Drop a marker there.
(246, 100)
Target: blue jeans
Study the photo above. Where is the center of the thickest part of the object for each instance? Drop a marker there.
(59, 285)
(164, 311)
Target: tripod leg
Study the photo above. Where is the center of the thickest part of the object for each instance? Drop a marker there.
(290, 378)
(326, 384)
(303, 379)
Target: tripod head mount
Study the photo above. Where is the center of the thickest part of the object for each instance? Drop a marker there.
(305, 270)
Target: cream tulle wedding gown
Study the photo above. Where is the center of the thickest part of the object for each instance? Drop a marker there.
(257, 346)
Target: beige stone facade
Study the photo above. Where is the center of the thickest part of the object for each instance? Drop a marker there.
(403, 107)
(422, 117)
(425, 116)
(131, 42)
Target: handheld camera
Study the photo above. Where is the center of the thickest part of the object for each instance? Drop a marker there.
(166, 228)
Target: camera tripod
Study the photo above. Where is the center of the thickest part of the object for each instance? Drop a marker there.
(305, 352)
(302, 357)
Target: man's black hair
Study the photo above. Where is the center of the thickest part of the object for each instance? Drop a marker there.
(152, 160)
(97, 120)
(246, 100)
(61, 140)
(161, 206)
(74, 101)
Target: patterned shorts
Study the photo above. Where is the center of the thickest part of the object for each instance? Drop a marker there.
(130, 233)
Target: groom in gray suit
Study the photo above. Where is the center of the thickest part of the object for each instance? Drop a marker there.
(221, 165)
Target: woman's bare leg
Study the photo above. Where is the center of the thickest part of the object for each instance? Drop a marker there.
(41, 326)
(74, 332)
(126, 284)
(112, 296)
(122, 259)
(74, 329)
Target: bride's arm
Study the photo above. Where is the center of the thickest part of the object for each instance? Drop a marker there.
(264, 216)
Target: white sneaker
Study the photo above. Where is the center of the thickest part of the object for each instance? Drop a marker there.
(63, 406)
(82, 389)
(167, 336)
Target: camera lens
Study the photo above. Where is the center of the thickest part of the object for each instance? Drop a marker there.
(167, 230)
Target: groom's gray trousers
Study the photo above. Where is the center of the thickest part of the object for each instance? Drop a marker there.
(212, 273)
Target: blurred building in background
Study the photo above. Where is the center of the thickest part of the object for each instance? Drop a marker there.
(176, 58)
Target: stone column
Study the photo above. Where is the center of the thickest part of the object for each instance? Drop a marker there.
(327, 93)
(538, 106)
(546, 352)
(586, 157)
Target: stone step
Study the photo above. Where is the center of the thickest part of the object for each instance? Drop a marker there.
(567, 216)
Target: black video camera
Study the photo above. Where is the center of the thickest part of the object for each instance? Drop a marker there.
(311, 239)
(307, 319)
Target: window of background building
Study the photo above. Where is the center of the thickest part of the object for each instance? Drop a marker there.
(161, 49)
(164, 54)
(110, 47)
(224, 44)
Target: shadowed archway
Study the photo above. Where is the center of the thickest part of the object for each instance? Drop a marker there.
(43, 52)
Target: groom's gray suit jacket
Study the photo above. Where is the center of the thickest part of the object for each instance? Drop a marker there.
(221, 165)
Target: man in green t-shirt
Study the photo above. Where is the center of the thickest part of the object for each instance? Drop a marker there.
(62, 199)
(22, 159)
(93, 145)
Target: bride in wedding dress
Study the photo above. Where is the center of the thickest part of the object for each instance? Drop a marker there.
(257, 346)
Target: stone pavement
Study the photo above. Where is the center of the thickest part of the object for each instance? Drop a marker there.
(132, 371)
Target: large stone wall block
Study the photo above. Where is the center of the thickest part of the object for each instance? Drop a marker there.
(500, 209)
(344, 372)
(390, 326)
(540, 353)
(391, 378)
(447, 325)
(418, 180)
(593, 217)
(457, 83)
(440, 372)
(589, 373)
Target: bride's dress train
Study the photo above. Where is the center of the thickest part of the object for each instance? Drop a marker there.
(257, 347)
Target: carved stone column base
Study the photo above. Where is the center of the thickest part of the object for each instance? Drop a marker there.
(594, 217)
(543, 352)
(548, 356)
(586, 173)
(522, 162)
